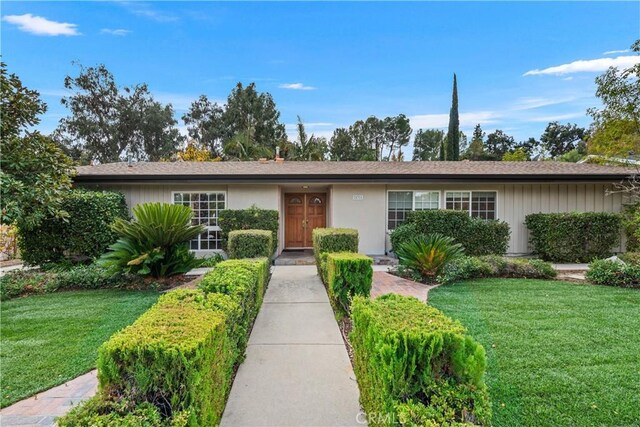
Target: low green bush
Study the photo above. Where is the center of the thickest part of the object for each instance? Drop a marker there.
(631, 223)
(250, 244)
(348, 274)
(176, 355)
(211, 261)
(612, 273)
(428, 255)
(574, 236)
(85, 233)
(416, 366)
(477, 236)
(249, 219)
(630, 257)
(24, 282)
(465, 268)
(326, 240)
(245, 281)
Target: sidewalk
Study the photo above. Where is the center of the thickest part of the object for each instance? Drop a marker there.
(297, 372)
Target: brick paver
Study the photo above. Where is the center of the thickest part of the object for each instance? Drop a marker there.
(42, 409)
(385, 283)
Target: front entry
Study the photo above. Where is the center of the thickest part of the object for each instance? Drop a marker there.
(303, 213)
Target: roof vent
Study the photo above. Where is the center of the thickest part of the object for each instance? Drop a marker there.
(129, 160)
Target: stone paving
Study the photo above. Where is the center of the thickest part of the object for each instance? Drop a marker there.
(385, 283)
(42, 409)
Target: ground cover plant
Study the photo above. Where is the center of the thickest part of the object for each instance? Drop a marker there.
(464, 268)
(49, 339)
(559, 354)
(613, 273)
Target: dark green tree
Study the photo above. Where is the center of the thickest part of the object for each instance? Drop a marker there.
(308, 147)
(497, 144)
(427, 144)
(108, 122)
(34, 172)
(397, 134)
(205, 125)
(558, 139)
(453, 134)
(341, 146)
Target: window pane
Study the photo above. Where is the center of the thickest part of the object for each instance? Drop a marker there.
(484, 204)
(206, 207)
(427, 200)
(400, 204)
(458, 200)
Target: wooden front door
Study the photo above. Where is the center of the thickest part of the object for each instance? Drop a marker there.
(303, 213)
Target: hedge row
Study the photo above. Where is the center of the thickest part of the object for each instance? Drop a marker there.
(250, 244)
(85, 233)
(180, 355)
(465, 268)
(252, 218)
(631, 222)
(574, 236)
(326, 240)
(612, 273)
(478, 236)
(348, 274)
(415, 366)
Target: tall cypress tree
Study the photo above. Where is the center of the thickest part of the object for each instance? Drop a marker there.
(453, 135)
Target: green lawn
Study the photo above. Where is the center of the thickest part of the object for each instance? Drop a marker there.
(559, 354)
(49, 339)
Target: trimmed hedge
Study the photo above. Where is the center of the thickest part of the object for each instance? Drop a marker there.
(177, 355)
(465, 268)
(252, 218)
(574, 236)
(348, 274)
(250, 244)
(326, 240)
(631, 222)
(85, 233)
(612, 273)
(175, 364)
(416, 366)
(478, 236)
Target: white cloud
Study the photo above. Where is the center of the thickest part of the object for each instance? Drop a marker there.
(41, 26)
(296, 86)
(613, 52)
(115, 32)
(533, 103)
(146, 11)
(556, 117)
(589, 66)
(424, 121)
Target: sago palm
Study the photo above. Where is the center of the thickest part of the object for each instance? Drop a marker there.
(428, 255)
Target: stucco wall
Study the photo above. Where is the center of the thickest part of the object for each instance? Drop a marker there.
(367, 215)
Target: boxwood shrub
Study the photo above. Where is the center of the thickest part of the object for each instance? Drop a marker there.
(250, 244)
(326, 240)
(177, 355)
(252, 218)
(348, 274)
(465, 268)
(574, 236)
(478, 236)
(416, 366)
(85, 233)
(612, 273)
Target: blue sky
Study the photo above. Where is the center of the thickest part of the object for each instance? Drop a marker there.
(334, 63)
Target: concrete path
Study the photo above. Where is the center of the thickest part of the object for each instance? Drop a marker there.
(42, 409)
(297, 371)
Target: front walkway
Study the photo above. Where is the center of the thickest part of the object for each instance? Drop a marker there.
(297, 371)
(41, 409)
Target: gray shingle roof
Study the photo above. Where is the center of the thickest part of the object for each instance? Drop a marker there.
(347, 170)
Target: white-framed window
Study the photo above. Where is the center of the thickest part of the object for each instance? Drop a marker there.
(400, 203)
(206, 206)
(479, 204)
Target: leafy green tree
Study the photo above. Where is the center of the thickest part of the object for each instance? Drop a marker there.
(452, 151)
(497, 144)
(427, 143)
(108, 122)
(243, 146)
(475, 151)
(531, 146)
(558, 139)
(34, 171)
(368, 138)
(246, 108)
(397, 134)
(616, 127)
(205, 124)
(308, 148)
(517, 155)
(341, 146)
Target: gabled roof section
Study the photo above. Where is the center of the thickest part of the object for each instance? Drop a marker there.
(331, 171)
